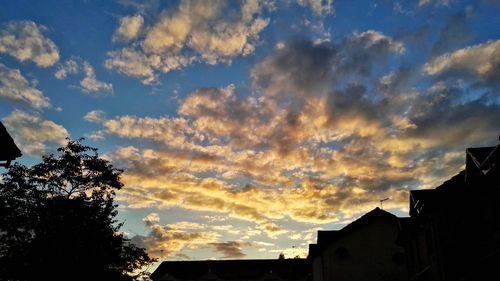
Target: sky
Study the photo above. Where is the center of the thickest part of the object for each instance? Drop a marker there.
(244, 127)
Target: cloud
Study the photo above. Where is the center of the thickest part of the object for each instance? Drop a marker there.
(169, 240)
(319, 7)
(436, 3)
(129, 28)
(135, 63)
(14, 87)
(151, 219)
(68, 67)
(173, 131)
(331, 127)
(90, 84)
(230, 249)
(95, 116)
(24, 41)
(34, 135)
(202, 27)
(439, 110)
(272, 230)
(312, 68)
(481, 61)
(272, 145)
(194, 31)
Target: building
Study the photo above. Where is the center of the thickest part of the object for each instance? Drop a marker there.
(8, 149)
(453, 232)
(366, 249)
(234, 270)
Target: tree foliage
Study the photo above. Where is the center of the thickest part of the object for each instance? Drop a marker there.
(57, 220)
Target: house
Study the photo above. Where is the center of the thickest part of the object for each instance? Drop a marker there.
(234, 270)
(453, 232)
(9, 151)
(366, 249)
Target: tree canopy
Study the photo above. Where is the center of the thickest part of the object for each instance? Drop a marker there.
(57, 220)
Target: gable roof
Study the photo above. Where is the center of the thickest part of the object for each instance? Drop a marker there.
(482, 169)
(327, 237)
(287, 269)
(8, 149)
(483, 159)
(426, 200)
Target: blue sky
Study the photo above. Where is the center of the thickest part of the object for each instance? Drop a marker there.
(245, 126)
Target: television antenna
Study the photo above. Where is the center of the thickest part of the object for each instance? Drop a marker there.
(382, 201)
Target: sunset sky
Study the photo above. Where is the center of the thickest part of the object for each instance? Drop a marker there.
(244, 127)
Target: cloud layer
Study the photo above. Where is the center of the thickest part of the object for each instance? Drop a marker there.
(330, 129)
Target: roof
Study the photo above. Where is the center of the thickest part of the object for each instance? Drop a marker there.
(288, 269)
(482, 169)
(483, 158)
(9, 150)
(425, 200)
(325, 238)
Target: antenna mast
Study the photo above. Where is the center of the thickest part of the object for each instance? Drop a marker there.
(381, 201)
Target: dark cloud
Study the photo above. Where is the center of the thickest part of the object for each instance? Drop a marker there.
(444, 112)
(310, 66)
(350, 102)
(362, 50)
(454, 34)
(168, 240)
(307, 65)
(392, 84)
(230, 249)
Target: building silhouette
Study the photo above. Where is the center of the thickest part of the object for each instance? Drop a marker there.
(366, 249)
(235, 270)
(8, 149)
(453, 232)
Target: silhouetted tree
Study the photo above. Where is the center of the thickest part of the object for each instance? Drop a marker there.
(57, 220)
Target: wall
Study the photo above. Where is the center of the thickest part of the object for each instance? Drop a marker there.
(367, 253)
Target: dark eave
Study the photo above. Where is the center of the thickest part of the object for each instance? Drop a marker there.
(9, 150)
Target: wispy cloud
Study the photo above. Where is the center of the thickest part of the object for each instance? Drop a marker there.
(89, 83)
(319, 7)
